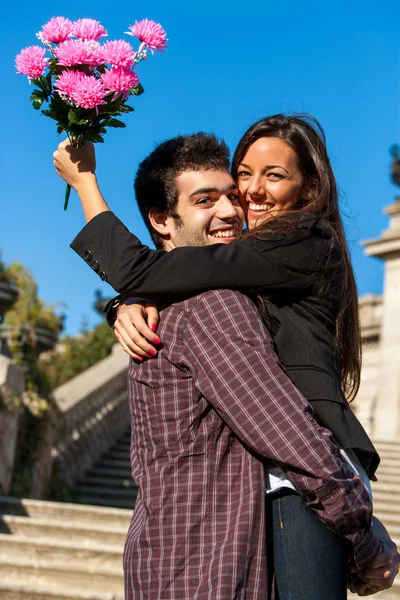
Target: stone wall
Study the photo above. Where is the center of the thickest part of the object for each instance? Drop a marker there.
(92, 412)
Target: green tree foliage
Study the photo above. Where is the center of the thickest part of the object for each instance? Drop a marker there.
(74, 355)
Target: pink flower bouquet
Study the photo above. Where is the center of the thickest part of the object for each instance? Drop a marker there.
(87, 83)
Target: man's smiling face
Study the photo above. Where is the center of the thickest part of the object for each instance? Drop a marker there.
(208, 209)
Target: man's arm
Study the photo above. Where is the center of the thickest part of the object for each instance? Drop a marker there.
(237, 370)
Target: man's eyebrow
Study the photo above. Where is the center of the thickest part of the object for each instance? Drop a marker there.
(214, 190)
(266, 167)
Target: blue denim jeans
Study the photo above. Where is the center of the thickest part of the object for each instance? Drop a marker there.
(308, 560)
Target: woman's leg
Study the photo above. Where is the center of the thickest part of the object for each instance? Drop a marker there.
(310, 561)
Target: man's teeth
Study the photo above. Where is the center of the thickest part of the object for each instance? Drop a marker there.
(259, 207)
(224, 234)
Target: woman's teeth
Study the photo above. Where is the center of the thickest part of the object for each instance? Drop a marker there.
(260, 207)
(224, 234)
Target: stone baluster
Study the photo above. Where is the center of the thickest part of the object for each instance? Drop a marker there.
(386, 422)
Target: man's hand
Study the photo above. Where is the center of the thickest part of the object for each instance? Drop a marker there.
(382, 570)
(134, 328)
(77, 167)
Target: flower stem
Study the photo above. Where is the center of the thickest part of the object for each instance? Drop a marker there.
(66, 197)
(77, 142)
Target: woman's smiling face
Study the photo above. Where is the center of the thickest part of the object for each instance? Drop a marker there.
(269, 180)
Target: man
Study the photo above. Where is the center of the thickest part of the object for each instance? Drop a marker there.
(214, 407)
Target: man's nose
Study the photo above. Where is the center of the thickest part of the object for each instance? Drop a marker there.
(226, 209)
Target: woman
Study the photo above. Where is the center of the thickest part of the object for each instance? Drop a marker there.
(295, 259)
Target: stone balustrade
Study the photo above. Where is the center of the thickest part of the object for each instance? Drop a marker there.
(91, 412)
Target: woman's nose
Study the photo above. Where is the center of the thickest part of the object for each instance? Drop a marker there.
(256, 187)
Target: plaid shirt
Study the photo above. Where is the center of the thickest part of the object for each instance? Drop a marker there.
(208, 413)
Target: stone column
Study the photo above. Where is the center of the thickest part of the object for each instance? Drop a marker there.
(12, 386)
(387, 412)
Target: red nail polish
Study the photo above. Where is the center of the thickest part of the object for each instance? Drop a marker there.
(153, 327)
(153, 352)
(157, 341)
(140, 359)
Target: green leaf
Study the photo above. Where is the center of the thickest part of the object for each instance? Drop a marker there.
(114, 123)
(126, 108)
(50, 113)
(94, 136)
(60, 129)
(38, 94)
(72, 116)
(82, 122)
(43, 84)
(37, 103)
(137, 90)
(48, 79)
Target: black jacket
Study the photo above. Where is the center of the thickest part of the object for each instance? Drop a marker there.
(296, 273)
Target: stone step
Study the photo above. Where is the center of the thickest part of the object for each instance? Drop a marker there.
(389, 458)
(385, 474)
(389, 492)
(385, 508)
(117, 455)
(94, 557)
(31, 527)
(107, 492)
(386, 444)
(108, 482)
(123, 445)
(118, 503)
(19, 590)
(66, 513)
(67, 577)
(110, 472)
(114, 462)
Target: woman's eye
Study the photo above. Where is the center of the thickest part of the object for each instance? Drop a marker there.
(276, 176)
(243, 174)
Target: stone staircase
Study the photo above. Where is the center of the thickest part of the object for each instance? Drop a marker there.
(59, 551)
(386, 493)
(109, 482)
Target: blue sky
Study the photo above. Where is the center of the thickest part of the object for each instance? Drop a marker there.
(227, 65)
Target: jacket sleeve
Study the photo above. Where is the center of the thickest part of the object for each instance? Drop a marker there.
(225, 341)
(275, 263)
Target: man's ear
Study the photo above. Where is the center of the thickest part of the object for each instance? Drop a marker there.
(160, 221)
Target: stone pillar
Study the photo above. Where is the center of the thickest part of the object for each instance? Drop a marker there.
(387, 412)
(12, 386)
(364, 405)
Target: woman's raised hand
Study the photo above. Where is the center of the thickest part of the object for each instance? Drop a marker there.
(135, 328)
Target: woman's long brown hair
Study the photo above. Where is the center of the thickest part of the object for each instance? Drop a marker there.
(306, 136)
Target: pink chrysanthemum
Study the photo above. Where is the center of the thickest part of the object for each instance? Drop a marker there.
(78, 52)
(67, 82)
(119, 80)
(118, 53)
(88, 29)
(89, 92)
(58, 29)
(149, 33)
(31, 61)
